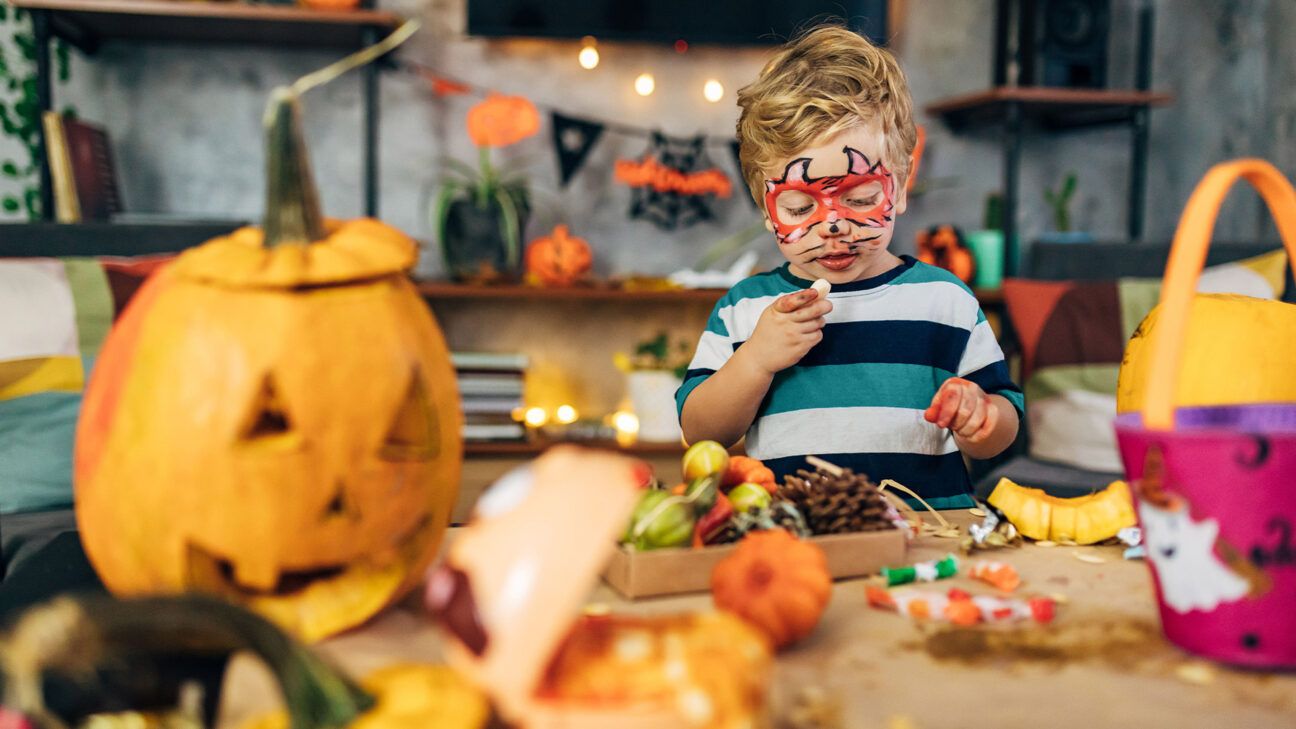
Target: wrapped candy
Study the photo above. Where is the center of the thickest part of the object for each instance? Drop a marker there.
(1001, 575)
(921, 571)
(959, 607)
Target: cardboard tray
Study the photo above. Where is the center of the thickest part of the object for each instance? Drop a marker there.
(674, 571)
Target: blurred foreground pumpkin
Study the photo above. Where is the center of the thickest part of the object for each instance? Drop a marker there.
(777, 582)
(275, 417)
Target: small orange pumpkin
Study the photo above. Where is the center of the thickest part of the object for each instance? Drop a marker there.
(775, 581)
(558, 259)
(502, 120)
(744, 469)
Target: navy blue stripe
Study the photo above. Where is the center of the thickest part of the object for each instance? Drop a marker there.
(906, 263)
(889, 342)
(930, 476)
(700, 372)
(994, 379)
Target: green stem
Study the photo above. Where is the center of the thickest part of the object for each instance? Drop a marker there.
(292, 203)
(77, 635)
(487, 185)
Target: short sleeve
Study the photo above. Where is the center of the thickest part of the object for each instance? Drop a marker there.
(714, 348)
(983, 363)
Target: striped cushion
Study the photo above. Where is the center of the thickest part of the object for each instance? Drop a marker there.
(57, 314)
(1073, 335)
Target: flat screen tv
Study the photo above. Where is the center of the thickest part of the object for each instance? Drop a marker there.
(732, 22)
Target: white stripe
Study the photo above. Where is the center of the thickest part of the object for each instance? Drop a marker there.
(847, 430)
(713, 351)
(940, 302)
(982, 349)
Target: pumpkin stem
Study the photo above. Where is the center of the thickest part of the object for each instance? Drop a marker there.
(292, 202)
(78, 635)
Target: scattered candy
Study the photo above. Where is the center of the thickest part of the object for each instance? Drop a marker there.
(1130, 536)
(1139, 552)
(1001, 575)
(922, 571)
(960, 608)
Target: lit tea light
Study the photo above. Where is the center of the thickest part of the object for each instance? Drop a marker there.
(589, 55)
(536, 417)
(566, 414)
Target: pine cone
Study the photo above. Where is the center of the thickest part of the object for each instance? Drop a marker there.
(837, 504)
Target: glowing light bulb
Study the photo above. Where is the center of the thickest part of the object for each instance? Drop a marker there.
(713, 90)
(645, 84)
(536, 417)
(588, 58)
(625, 422)
(566, 414)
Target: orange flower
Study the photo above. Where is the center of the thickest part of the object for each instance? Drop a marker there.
(502, 120)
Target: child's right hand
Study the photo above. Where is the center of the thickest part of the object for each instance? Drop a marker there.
(787, 329)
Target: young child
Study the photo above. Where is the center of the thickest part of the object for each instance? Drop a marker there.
(896, 371)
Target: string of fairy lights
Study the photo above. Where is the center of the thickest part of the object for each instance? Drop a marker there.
(644, 84)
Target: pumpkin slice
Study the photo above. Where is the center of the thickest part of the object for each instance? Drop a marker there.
(1082, 519)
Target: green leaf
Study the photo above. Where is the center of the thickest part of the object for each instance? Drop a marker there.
(512, 230)
(70, 112)
(9, 168)
(11, 204)
(4, 11)
(26, 46)
(31, 196)
(1069, 186)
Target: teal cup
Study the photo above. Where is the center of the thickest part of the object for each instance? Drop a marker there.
(987, 248)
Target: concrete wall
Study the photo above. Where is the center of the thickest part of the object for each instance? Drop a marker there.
(185, 122)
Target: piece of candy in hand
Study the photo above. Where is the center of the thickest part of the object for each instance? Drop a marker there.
(822, 286)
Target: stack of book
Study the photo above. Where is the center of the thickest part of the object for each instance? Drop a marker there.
(490, 387)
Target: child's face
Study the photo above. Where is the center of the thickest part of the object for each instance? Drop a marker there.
(832, 207)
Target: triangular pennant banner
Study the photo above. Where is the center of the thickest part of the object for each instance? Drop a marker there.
(573, 139)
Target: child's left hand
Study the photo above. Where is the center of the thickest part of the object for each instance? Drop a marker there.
(963, 407)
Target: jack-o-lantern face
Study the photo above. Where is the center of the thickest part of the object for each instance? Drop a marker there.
(277, 426)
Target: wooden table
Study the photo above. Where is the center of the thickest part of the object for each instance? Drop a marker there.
(1103, 663)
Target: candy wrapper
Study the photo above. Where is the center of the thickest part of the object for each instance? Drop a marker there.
(994, 532)
(1001, 575)
(959, 607)
(921, 571)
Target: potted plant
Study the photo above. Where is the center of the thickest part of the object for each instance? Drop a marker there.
(1060, 203)
(479, 216)
(653, 373)
(20, 111)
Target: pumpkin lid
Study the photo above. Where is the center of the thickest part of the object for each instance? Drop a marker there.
(353, 250)
(513, 581)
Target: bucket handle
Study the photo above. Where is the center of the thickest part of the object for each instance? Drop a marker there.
(1188, 256)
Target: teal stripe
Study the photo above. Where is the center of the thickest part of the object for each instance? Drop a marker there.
(924, 273)
(1016, 399)
(868, 384)
(980, 315)
(769, 283)
(94, 305)
(685, 390)
(715, 324)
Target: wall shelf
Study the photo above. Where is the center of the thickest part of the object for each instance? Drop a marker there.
(86, 23)
(606, 293)
(1052, 108)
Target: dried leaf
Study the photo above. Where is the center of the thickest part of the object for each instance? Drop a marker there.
(951, 533)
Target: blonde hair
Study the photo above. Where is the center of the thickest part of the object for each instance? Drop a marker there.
(820, 84)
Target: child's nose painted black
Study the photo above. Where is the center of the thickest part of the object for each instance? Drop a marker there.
(832, 228)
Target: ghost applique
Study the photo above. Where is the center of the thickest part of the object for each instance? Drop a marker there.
(1182, 552)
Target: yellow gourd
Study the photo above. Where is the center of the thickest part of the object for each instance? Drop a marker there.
(1082, 519)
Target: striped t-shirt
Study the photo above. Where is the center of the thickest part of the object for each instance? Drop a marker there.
(857, 398)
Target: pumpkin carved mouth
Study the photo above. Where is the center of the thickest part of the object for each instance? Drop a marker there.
(211, 571)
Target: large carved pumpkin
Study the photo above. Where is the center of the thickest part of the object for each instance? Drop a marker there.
(274, 419)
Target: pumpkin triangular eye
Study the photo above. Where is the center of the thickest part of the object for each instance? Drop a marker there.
(414, 433)
(268, 417)
(340, 506)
